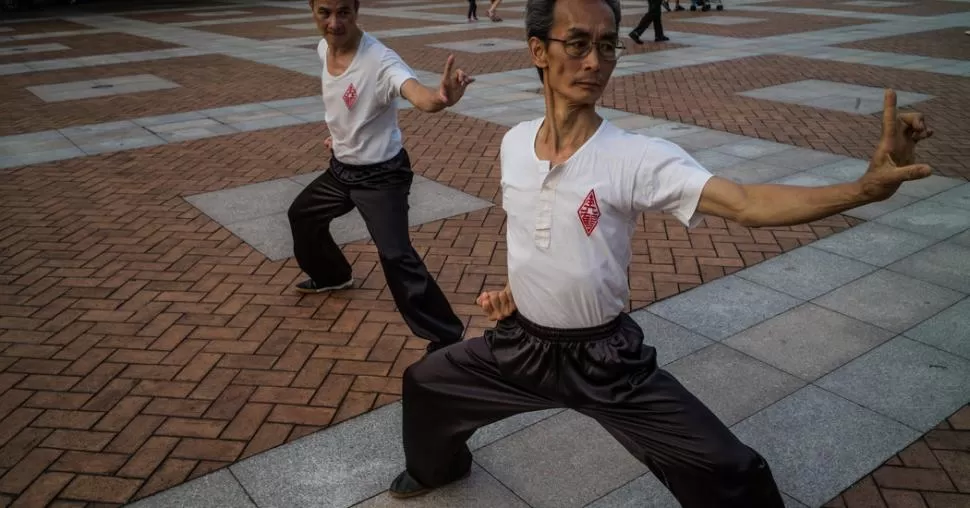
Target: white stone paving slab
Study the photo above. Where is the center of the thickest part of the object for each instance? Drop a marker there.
(958, 197)
(671, 341)
(928, 218)
(724, 20)
(32, 48)
(217, 490)
(874, 243)
(906, 380)
(944, 264)
(104, 87)
(644, 492)
(573, 472)
(479, 490)
(818, 444)
(949, 330)
(806, 272)
(863, 100)
(216, 14)
(808, 341)
(875, 3)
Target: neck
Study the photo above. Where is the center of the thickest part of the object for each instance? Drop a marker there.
(567, 126)
(349, 47)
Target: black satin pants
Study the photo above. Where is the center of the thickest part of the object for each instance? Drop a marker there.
(606, 373)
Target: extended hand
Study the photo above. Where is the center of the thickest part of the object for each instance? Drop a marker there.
(497, 304)
(453, 83)
(893, 162)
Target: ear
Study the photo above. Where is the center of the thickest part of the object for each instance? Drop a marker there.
(539, 51)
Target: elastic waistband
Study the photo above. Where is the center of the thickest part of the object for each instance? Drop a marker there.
(569, 334)
(400, 160)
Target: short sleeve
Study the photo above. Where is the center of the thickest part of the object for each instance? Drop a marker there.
(394, 73)
(669, 180)
(322, 51)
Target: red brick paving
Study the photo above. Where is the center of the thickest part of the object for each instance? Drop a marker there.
(933, 472)
(143, 344)
(190, 16)
(203, 85)
(84, 45)
(948, 43)
(706, 95)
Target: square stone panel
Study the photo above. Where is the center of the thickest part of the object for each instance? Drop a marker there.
(724, 20)
(862, 100)
(31, 48)
(808, 341)
(257, 213)
(876, 3)
(817, 443)
(217, 14)
(215, 490)
(948, 330)
(906, 380)
(489, 45)
(806, 273)
(74, 90)
(479, 490)
(945, 264)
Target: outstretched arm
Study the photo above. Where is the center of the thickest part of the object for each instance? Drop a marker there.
(430, 100)
(783, 205)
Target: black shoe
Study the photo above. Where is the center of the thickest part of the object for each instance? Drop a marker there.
(661, 39)
(308, 286)
(635, 37)
(666, 4)
(680, 8)
(404, 486)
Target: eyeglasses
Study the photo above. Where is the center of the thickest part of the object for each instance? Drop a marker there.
(579, 48)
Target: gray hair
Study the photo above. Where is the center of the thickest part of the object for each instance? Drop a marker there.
(539, 16)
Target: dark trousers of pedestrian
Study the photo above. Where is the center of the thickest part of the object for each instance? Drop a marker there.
(652, 16)
(472, 9)
(606, 373)
(380, 193)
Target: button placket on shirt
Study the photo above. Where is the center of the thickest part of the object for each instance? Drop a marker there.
(545, 204)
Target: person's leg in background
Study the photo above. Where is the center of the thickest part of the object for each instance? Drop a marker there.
(651, 17)
(472, 10)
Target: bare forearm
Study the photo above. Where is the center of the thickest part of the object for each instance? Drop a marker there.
(786, 205)
(425, 99)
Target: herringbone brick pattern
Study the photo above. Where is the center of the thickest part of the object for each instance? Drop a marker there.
(143, 345)
(203, 82)
(707, 95)
(933, 472)
(220, 8)
(85, 45)
(948, 43)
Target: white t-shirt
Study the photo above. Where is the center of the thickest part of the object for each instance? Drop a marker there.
(570, 229)
(360, 103)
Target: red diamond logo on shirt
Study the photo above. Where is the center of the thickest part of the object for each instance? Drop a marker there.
(350, 96)
(589, 213)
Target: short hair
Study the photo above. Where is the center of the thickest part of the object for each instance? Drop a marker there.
(540, 14)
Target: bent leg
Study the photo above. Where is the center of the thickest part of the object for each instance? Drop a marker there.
(310, 216)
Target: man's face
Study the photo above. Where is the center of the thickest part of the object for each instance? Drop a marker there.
(336, 19)
(583, 25)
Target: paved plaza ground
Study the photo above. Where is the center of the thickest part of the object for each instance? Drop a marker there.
(152, 349)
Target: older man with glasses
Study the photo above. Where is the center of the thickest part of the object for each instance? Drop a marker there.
(573, 186)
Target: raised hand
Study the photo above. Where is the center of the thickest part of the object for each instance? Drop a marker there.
(497, 304)
(894, 159)
(453, 83)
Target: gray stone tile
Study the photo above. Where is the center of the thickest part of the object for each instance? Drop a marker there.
(119, 144)
(644, 492)
(183, 125)
(733, 385)
(808, 341)
(713, 161)
(635, 122)
(806, 273)
(306, 178)
(880, 208)
(928, 218)
(947, 330)
(10, 161)
(751, 172)
(874, 243)
(215, 490)
(491, 433)
(847, 104)
(271, 236)
(479, 490)
(933, 184)
(540, 451)
(268, 122)
(790, 502)
(958, 197)
(345, 464)
(152, 121)
(752, 148)
(707, 139)
(800, 159)
(670, 130)
(671, 341)
(961, 239)
(944, 264)
(723, 307)
(489, 45)
(848, 170)
(725, 20)
(105, 87)
(890, 300)
(190, 133)
(248, 201)
(817, 443)
(905, 380)
(29, 143)
(32, 48)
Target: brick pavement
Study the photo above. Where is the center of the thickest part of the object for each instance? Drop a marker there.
(230, 12)
(933, 472)
(203, 82)
(707, 95)
(949, 43)
(84, 45)
(142, 345)
(45, 26)
(266, 30)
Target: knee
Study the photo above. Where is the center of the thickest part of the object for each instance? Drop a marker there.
(415, 377)
(298, 208)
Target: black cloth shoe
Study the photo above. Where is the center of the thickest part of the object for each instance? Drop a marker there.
(635, 37)
(308, 286)
(662, 38)
(404, 486)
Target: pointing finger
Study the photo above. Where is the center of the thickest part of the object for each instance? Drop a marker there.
(889, 115)
(914, 172)
(448, 66)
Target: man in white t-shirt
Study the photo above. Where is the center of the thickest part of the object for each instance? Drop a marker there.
(370, 170)
(573, 186)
